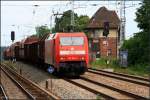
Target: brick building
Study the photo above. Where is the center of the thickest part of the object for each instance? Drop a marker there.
(99, 45)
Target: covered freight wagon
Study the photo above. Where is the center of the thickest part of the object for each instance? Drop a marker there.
(21, 49)
(16, 50)
(27, 51)
(31, 49)
(41, 48)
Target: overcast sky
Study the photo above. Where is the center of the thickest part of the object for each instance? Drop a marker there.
(23, 16)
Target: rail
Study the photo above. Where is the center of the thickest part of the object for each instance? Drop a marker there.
(30, 86)
(90, 89)
(115, 89)
(124, 77)
(3, 93)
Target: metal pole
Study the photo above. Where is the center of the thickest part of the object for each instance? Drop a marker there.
(122, 23)
(46, 84)
(72, 16)
(107, 61)
(0, 66)
(148, 15)
(51, 24)
(20, 71)
(0, 75)
(51, 85)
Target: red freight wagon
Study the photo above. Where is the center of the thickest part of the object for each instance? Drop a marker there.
(41, 48)
(33, 50)
(30, 48)
(67, 52)
(16, 50)
(21, 49)
(13, 53)
(7, 53)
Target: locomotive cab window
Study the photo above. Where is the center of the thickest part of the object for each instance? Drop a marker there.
(66, 41)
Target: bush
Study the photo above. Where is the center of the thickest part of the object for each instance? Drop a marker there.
(103, 62)
(138, 49)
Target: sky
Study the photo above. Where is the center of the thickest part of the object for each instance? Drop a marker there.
(23, 16)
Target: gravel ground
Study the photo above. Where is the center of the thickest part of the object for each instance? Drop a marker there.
(61, 88)
(123, 85)
(12, 91)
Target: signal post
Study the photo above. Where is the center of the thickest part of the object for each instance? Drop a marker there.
(12, 39)
(105, 33)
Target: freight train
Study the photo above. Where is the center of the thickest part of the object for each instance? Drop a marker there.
(59, 52)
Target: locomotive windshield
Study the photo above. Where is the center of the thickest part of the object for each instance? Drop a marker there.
(66, 41)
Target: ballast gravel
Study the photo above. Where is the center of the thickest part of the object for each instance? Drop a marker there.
(12, 91)
(120, 84)
(58, 86)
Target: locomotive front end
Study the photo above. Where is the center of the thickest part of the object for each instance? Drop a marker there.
(73, 54)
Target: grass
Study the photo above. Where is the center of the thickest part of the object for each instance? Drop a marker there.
(138, 70)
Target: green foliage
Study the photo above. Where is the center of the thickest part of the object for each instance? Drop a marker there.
(138, 69)
(143, 15)
(138, 49)
(42, 30)
(139, 45)
(102, 62)
(98, 97)
(82, 22)
(63, 24)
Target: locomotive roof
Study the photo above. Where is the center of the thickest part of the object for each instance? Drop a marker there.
(59, 34)
(70, 34)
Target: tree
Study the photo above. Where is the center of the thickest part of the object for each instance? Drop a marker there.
(82, 22)
(63, 24)
(139, 45)
(42, 30)
(143, 16)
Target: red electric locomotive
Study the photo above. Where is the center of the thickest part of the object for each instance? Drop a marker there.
(67, 52)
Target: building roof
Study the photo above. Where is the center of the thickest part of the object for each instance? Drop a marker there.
(102, 15)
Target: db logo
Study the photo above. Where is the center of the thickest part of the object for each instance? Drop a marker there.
(72, 48)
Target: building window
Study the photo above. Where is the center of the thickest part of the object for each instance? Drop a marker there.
(95, 45)
(105, 43)
(109, 52)
(96, 33)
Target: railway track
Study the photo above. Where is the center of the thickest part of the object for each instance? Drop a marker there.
(99, 89)
(3, 95)
(124, 77)
(30, 89)
(106, 90)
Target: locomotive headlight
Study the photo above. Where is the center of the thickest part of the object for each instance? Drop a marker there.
(82, 58)
(61, 58)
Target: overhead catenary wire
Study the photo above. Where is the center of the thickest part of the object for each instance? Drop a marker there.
(76, 4)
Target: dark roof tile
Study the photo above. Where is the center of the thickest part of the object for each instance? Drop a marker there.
(103, 15)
